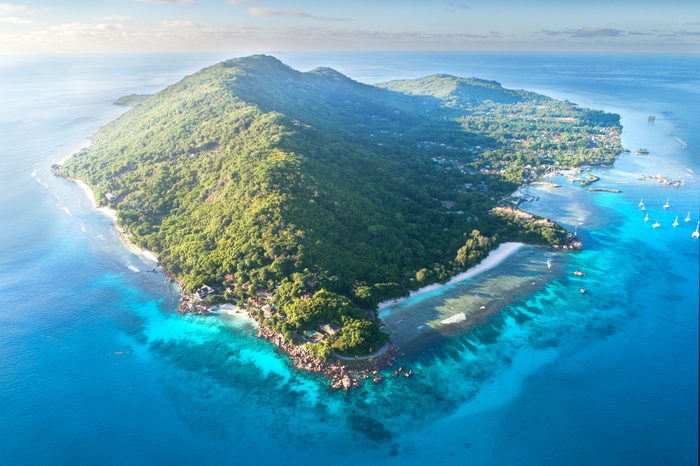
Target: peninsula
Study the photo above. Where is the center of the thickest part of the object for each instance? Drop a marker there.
(306, 198)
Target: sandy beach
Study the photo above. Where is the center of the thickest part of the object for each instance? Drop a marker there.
(112, 214)
(495, 257)
(233, 311)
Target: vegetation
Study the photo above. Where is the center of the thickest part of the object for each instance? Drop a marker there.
(131, 99)
(333, 195)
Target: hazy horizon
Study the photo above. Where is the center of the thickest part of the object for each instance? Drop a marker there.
(250, 26)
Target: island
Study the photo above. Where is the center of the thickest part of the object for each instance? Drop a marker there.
(305, 199)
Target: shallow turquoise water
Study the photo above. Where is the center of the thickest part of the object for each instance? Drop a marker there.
(98, 367)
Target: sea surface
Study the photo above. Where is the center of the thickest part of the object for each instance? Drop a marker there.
(97, 366)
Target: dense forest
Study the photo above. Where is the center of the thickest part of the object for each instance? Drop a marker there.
(322, 196)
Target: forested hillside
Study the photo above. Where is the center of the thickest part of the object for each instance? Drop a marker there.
(333, 195)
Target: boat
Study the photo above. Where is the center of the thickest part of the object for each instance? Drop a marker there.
(696, 233)
(582, 290)
(646, 217)
(578, 273)
(675, 222)
(641, 203)
(641, 151)
(643, 208)
(667, 205)
(687, 217)
(656, 224)
(549, 264)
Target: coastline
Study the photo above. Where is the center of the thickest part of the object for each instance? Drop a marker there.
(493, 259)
(112, 214)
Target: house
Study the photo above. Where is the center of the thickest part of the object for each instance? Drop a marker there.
(328, 329)
(111, 197)
(267, 310)
(204, 291)
(314, 336)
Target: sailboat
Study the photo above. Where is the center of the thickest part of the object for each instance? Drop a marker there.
(696, 233)
(641, 202)
(643, 208)
(675, 222)
(646, 217)
(656, 224)
(667, 205)
(687, 217)
(549, 264)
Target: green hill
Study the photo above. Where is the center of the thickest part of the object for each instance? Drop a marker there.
(330, 193)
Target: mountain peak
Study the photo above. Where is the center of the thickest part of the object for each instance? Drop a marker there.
(329, 72)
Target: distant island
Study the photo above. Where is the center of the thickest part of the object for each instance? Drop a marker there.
(307, 198)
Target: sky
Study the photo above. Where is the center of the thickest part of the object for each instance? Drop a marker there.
(99, 26)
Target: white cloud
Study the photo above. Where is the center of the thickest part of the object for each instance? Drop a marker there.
(12, 8)
(242, 2)
(114, 18)
(585, 32)
(172, 2)
(259, 11)
(178, 24)
(14, 20)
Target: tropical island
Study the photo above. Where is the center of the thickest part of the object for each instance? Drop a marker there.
(307, 198)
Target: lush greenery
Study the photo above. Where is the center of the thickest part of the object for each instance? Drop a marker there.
(131, 99)
(333, 195)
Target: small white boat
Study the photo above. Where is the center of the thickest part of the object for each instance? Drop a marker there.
(675, 222)
(549, 264)
(641, 203)
(643, 208)
(646, 218)
(656, 224)
(667, 205)
(696, 233)
(687, 217)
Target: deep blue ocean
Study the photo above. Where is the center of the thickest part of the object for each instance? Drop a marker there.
(97, 366)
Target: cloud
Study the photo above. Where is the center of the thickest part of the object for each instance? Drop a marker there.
(172, 2)
(453, 6)
(179, 24)
(114, 18)
(12, 8)
(14, 20)
(680, 33)
(585, 32)
(259, 11)
(242, 2)
(361, 37)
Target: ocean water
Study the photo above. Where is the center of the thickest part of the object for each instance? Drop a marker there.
(97, 367)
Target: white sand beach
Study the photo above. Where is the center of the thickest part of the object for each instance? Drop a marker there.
(112, 214)
(233, 311)
(495, 257)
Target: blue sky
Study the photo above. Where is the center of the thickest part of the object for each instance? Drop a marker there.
(263, 25)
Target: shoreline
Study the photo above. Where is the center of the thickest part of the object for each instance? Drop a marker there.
(112, 214)
(494, 258)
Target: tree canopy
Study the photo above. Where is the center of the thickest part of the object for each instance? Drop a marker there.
(330, 193)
